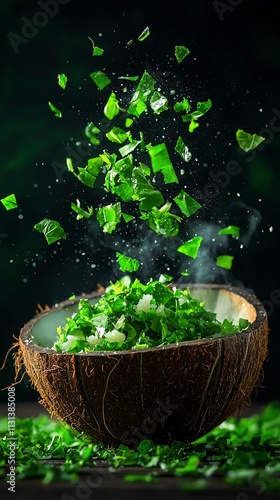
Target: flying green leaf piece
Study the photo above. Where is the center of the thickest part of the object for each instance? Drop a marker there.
(127, 217)
(100, 79)
(201, 109)
(87, 175)
(127, 263)
(191, 247)
(129, 122)
(181, 52)
(193, 125)
(162, 221)
(9, 202)
(96, 51)
(183, 106)
(144, 34)
(80, 211)
(56, 111)
(128, 148)
(185, 273)
(51, 229)
(186, 203)
(112, 107)
(158, 103)
(247, 141)
(144, 90)
(109, 216)
(224, 261)
(182, 149)
(131, 78)
(232, 230)
(91, 131)
(161, 162)
(117, 134)
(62, 80)
(165, 278)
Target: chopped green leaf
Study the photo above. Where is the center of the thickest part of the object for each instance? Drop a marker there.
(109, 216)
(96, 51)
(144, 90)
(224, 261)
(144, 34)
(193, 125)
(56, 111)
(243, 324)
(100, 79)
(112, 107)
(162, 221)
(191, 247)
(62, 80)
(131, 78)
(51, 229)
(80, 211)
(185, 273)
(182, 106)
(248, 141)
(118, 135)
(127, 263)
(9, 202)
(128, 148)
(161, 162)
(158, 103)
(201, 109)
(87, 175)
(91, 131)
(165, 278)
(181, 52)
(186, 203)
(182, 149)
(127, 217)
(233, 230)
(128, 122)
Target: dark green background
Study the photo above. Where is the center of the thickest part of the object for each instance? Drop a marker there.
(234, 61)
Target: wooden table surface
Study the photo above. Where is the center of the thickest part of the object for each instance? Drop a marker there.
(100, 482)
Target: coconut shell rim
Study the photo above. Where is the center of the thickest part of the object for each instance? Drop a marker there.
(261, 317)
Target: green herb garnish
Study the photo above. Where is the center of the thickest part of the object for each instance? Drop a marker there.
(127, 263)
(62, 80)
(225, 261)
(56, 111)
(51, 229)
(248, 141)
(181, 52)
(191, 247)
(100, 79)
(9, 202)
(96, 51)
(134, 315)
(145, 33)
(232, 230)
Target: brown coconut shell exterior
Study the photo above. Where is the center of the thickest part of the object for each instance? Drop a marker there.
(177, 392)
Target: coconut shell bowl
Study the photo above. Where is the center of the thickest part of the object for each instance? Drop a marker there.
(176, 392)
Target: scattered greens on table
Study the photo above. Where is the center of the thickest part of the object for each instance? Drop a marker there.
(243, 452)
(133, 315)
